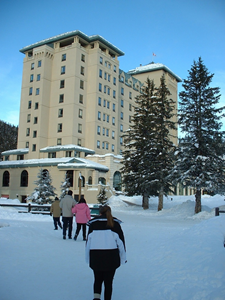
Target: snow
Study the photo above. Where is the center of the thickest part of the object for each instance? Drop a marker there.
(172, 255)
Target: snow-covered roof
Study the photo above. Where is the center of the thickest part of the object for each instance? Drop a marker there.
(35, 162)
(69, 34)
(153, 67)
(16, 151)
(67, 147)
(84, 163)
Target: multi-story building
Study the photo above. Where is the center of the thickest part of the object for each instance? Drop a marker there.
(75, 105)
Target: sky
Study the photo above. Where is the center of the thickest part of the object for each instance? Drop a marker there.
(177, 31)
(172, 254)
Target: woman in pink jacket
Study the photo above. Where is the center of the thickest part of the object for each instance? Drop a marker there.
(82, 212)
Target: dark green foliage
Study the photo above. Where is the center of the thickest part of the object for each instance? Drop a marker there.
(8, 136)
(200, 164)
(101, 197)
(149, 150)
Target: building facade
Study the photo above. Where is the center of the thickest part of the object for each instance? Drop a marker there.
(75, 105)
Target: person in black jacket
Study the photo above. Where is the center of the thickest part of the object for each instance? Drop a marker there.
(105, 250)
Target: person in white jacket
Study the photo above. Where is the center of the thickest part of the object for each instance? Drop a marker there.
(66, 205)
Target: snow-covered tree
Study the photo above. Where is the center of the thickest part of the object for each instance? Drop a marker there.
(200, 164)
(44, 191)
(65, 186)
(149, 148)
(101, 197)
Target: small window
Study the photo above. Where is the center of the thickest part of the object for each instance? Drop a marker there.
(38, 77)
(61, 98)
(80, 113)
(35, 120)
(29, 104)
(113, 120)
(62, 84)
(28, 132)
(108, 104)
(99, 115)
(130, 95)
(122, 78)
(114, 107)
(130, 119)
(80, 128)
(82, 70)
(99, 101)
(98, 130)
(121, 141)
(34, 147)
(114, 94)
(60, 113)
(114, 68)
(101, 60)
(107, 146)
(103, 117)
(63, 57)
(121, 115)
(98, 144)
(34, 133)
(60, 127)
(107, 118)
(121, 127)
(32, 66)
(68, 153)
(59, 141)
(109, 77)
(39, 63)
(30, 91)
(37, 91)
(107, 132)
(113, 147)
(83, 57)
(113, 134)
(122, 91)
(79, 142)
(130, 107)
(100, 73)
(100, 87)
(81, 84)
(36, 105)
(103, 131)
(28, 118)
(121, 102)
(81, 99)
(103, 145)
(24, 178)
(27, 144)
(31, 77)
(6, 177)
(63, 70)
(105, 76)
(52, 155)
(114, 80)
(104, 103)
(108, 91)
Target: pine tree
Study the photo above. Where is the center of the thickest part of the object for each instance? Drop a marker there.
(149, 150)
(65, 186)
(200, 164)
(101, 197)
(8, 136)
(44, 192)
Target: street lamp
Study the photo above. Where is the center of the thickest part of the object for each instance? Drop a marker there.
(80, 178)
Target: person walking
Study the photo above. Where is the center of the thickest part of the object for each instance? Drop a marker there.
(105, 250)
(66, 205)
(55, 210)
(83, 215)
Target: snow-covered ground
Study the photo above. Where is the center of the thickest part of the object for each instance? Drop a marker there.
(172, 254)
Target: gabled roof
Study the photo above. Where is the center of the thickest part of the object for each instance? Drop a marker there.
(153, 67)
(66, 35)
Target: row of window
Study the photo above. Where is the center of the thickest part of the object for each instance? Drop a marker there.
(59, 142)
(107, 76)
(107, 64)
(105, 132)
(38, 65)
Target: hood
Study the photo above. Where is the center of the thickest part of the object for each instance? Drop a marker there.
(81, 206)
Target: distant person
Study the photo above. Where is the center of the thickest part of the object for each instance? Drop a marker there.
(105, 250)
(55, 210)
(66, 204)
(83, 215)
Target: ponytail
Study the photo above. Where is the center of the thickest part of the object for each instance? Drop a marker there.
(106, 210)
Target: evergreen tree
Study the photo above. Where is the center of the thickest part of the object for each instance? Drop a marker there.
(149, 150)
(200, 164)
(65, 186)
(44, 192)
(101, 197)
(8, 136)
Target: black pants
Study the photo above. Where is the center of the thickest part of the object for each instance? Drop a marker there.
(79, 228)
(57, 222)
(107, 278)
(67, 222)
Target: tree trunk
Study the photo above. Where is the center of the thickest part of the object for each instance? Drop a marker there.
(160, 204)
(198, 205)
(145, 202)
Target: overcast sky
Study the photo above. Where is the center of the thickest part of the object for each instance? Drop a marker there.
(177, 31)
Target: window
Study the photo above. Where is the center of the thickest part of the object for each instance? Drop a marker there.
(99, 115)
(29, 104)
(39, 63)
(27, 144)
(130, 107)
(113, 120)
(104, 103)
(79, 142)
(80, 113)
(80, 128)
(108, 104)
(81, 84)
(20, 157)
(28, 132)
(130, 119)
(100, 60)
(82, 70)
(107, 118)
(63, 57)
(100, 73)
(108, 91)
(98, 130)
(130, 95)
(99, 101)
(62, 84)
(109, 65)
(121, 102)
(60, 127)
(121, 115)
(5, 179)
(105, 75)
(121, 127)
(36, 105)
(114, 68)
(103, 145)
(60, 113)
(63, 70)
(103, 117)
(35, 120)
(121, 141)
(122, 91)
(107, 146)
(113, 148)
(81, 99)
(52, 155)
(105, 89)
(113, 134)
(114, 94)
(114, 80)
(98, 144)
(103, 131)
(31, 77)
(122, 78)
(109, 77)
(37, 91)
(114, 107)
(61, 98)
(83, 57)
(24, 178)
(107, 132)
(38, 77)
(28, 118)
(34, 133)
(59, 141)
(68, 153)
(32, 66)
(34, 147)
(30, 91)
(69, 174)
